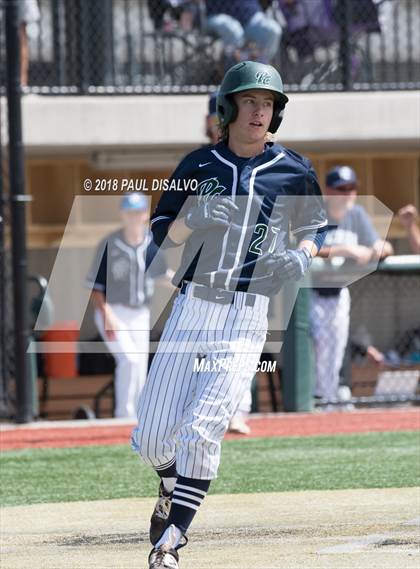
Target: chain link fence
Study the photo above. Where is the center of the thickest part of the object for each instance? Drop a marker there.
(382, 359)
(170, 46)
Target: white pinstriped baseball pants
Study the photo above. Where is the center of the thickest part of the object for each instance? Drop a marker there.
(131, 352)
(183, 412)
(330, 321)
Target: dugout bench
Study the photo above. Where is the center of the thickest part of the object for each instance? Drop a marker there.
(80, 397)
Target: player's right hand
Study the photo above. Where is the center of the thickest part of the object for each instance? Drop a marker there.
(408, 215)
(112, 324)
(216, 211)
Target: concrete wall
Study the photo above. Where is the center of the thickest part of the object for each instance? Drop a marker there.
(313, 122)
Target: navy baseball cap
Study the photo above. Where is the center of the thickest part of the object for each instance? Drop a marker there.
(341, 176)
(213, 104)
(132, 202)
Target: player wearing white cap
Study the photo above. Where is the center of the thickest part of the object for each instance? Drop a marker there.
(121, 292)
(352, 236)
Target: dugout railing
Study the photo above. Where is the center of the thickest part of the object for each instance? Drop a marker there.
(165, 46)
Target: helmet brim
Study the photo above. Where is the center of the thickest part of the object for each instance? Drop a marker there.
(281, 97)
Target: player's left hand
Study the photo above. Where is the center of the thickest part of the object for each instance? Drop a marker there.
(291, 264)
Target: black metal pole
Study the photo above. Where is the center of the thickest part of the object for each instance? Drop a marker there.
(99, 44)
(58, 47)
(3, 390)
(24, 387)
(82, 12)
(344, 21)
(2, 263)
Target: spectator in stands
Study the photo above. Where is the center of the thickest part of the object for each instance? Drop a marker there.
(354, 237)
(29, 16)
(409, 219)
(121, 293)
(242, 23)
(167, 14)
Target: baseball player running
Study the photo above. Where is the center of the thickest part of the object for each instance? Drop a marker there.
(220, 313)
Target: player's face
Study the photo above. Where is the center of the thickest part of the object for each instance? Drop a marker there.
(342, 198)
(134, 217)
(255, 111)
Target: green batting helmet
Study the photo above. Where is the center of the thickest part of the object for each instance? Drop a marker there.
(250, 75)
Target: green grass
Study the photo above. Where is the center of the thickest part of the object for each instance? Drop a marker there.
(374, 460)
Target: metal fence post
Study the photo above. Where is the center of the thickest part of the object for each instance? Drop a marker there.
(98, 41)
(82, 48)
(344, 13)
(3, 389)
(24, 386)
(60, 72)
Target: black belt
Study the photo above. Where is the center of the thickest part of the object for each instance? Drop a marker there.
(218, 295)
(328, 291)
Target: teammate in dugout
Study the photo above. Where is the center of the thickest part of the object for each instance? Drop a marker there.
(221, 308)
(353, 237)
(121, 292)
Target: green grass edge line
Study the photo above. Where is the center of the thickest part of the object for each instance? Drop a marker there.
(278, 464)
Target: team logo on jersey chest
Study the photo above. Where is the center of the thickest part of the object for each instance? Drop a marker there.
(208, 189)
(120, 269)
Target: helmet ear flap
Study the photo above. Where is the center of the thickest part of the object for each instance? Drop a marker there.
(278, 113)
(233, 108)
(227, 109)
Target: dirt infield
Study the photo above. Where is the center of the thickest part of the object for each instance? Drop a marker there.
(81, 433)
(359, 529)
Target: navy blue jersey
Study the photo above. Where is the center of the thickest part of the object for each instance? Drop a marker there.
(119, 269)
(277, 193)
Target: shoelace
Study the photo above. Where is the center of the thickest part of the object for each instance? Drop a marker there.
(160, 557)
(163, 505)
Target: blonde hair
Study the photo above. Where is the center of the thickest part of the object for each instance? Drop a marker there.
(224, 133)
